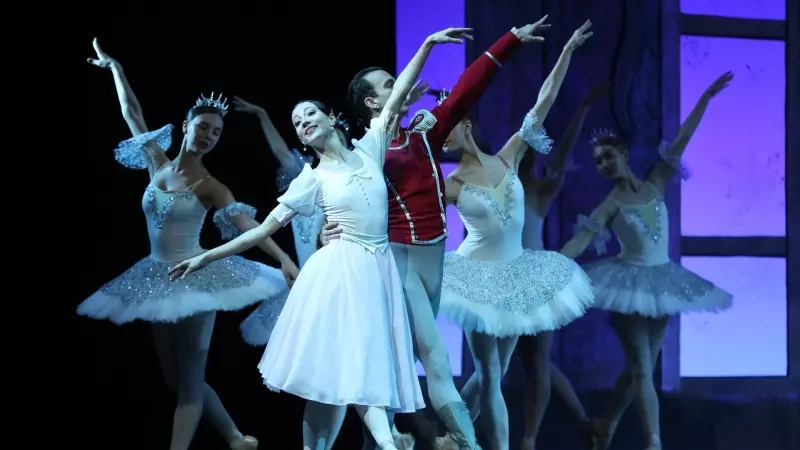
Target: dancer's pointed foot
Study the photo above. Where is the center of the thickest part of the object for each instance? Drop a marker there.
(387, 445)
(587, 432)
(655, 442)
(245, 443)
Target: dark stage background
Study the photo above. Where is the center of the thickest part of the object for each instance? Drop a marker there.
(271, 58)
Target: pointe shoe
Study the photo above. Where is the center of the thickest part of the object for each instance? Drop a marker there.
(388, 445)
(403, 441)
(245, 443)
(655, 442)
(445, 443)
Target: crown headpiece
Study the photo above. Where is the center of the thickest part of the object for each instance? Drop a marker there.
(600, 133)
(337, 120)
(220, 103)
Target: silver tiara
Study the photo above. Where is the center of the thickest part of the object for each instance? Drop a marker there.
(337, 120)
(600, 133)
(219, 103)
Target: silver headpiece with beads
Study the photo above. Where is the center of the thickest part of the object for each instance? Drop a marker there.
(600, 133)
(220, 103)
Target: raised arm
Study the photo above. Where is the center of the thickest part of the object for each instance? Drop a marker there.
(277, 145)
(152, 152)
(531, 134)
(671, 154)
(592, 229)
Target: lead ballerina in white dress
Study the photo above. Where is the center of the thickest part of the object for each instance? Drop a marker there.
(493, 288)
(256, 328)
(175, 203)
(641, 287)
(343, 337)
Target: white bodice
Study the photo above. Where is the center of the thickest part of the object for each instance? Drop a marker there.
(174, 220)
(642, 230)
(494, 219)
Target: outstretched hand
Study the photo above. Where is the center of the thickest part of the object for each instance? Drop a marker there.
(450, 36)
(419, 89)
(719, 85)
(103, 60)
(243, 106)
(184, 268)
(580, 36)
(528, 33)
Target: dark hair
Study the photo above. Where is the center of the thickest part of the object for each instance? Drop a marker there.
(198, 110)
(611, 141)
(357, 92)
(339, 124)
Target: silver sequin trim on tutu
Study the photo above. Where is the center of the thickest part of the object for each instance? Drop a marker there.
(520, 286)
(653, 291)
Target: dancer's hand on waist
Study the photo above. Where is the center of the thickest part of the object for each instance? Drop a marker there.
(329, 232)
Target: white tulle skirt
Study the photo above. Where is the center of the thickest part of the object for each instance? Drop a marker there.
(536, 291)
(145, 291)
(343, 336)
(653, 291)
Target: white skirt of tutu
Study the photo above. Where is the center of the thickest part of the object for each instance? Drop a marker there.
(653, 291)
(257, 327)
(535, 292)
(145, 291)
(343, 336)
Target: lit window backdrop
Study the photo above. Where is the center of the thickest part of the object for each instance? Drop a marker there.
(738, 190)
(738, 152)
(749, 340)
(442, 71)
(743, 9)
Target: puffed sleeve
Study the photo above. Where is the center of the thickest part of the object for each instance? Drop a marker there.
(223, 218)
(535, 136)
(674, 161)
(301, 197)
(376, 141)
(601, 234)
(131, 153)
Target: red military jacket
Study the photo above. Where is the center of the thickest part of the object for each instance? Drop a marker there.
(413, 175)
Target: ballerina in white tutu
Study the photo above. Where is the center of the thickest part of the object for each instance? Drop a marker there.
(256, 328)
(343, 337)
(641, 287)
(493, 288)
(175, 204)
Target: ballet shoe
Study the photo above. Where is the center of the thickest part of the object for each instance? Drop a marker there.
(655, 442)
(245, 443)
(587, 433)
(445, 443)
(403, 441)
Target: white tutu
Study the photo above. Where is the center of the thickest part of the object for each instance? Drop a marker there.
(145, 292)
(536, 291)
(653, 291)
(343, 337)
(257, 327)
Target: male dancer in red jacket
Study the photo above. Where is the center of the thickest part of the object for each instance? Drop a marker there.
(417, 223)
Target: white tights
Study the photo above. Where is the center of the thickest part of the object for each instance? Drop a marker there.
(322, 423)
(183, 349)
(641, 339)
(482, 392)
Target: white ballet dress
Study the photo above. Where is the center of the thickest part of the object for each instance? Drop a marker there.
(343, 337)
(174, 220)
(256, 328)
(642, 279)
(493, 285)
